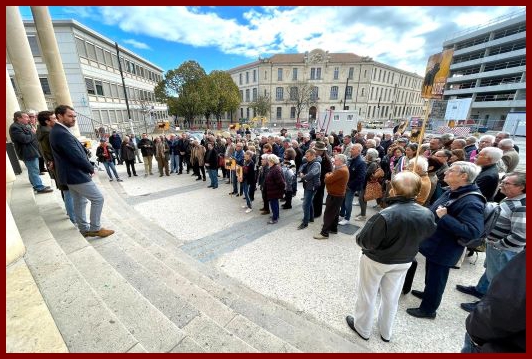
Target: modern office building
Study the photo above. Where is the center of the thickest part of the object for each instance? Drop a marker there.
(489, 67)
(92, 69)
(374, 91)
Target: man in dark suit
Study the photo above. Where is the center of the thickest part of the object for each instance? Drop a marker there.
(75, 169)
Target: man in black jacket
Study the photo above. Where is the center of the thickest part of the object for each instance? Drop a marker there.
(498, 322)
(27, 149)
(390, 241)
(488, 178)
(75, 170)
(147, 148)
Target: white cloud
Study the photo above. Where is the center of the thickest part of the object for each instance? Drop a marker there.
(392, 35)
(137, 44)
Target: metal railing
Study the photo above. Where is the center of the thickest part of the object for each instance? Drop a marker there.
(489, 23)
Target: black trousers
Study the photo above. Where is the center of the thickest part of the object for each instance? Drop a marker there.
(435, 281)
(317, 202)
(130, 166)
(331, 214)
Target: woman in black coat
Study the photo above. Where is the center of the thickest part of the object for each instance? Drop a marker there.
(275, 186)
(128, 155)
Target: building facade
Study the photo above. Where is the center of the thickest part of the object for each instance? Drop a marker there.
(91, 66)
(342, 81)
(489, 67)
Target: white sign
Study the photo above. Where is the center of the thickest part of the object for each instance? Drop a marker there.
(457, 109)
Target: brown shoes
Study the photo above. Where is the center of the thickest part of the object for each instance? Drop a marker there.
(101, 233)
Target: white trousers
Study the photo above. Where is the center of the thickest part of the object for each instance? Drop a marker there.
(389, 278)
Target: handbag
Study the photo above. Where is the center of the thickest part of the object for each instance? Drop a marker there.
(373, 191)
(221, 161)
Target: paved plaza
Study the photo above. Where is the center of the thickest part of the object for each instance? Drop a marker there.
(316, 279)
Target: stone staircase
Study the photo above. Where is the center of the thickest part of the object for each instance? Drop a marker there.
(137, 291)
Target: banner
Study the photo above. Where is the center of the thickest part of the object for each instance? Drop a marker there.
(436, 75)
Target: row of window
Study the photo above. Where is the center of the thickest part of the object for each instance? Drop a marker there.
(93, 52)
(486, 37)
(315, 74)
(373, 112)
(492, 51)
(45, 85)
(98, 87)
(120, 116)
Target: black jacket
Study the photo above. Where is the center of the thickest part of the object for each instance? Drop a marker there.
(357, 173)
(147, 148)
(498, 322)
(393, 235)
(488, 181)
(25, 141)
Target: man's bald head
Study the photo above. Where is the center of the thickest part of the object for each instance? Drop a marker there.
(406, 184)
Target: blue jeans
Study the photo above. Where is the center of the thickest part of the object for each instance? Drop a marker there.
(111, 165)
(274, 205)
(81, 194)
(174, 163)
(213, 177)
(69, 206)
(347, 205)
(235, 183)
(245, 186)
(33, 173)
(496, 260)
(308, 210)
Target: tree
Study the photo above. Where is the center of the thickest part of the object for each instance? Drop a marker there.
(224, 94)
(261, 106)
(301, 96)
(186, 83)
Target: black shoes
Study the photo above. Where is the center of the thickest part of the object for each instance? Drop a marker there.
(46, 189)
(469, 290)
(417, 293)
(385, 340)
(351, 322)
(419, 313)
(302, 226)
(469, 307)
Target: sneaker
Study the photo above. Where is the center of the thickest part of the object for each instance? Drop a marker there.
(110, 180)
(101, 233)
(244, 206)
(151, 173)
(343, 222)
(360, 218)
(248, 210)
(271, 221)
(134, 174)
(119, 180)
(320, 236)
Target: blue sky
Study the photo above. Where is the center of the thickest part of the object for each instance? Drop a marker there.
(223, 37)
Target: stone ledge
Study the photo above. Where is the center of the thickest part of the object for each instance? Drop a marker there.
(30, 327)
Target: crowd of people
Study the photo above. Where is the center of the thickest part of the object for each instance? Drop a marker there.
(421, 191)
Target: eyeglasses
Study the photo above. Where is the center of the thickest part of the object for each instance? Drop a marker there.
(505, 183)
(456, 170)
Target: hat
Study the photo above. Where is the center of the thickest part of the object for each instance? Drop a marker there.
(402, 139)
(320, 146)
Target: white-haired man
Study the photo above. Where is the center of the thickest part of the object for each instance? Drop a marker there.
(488, 179)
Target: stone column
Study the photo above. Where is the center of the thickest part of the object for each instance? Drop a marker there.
(52, 58)
(18, 49)
(14, 246)
(12, 105)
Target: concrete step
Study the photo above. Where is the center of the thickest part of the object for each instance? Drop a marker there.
(30, 327)
(83, 319)
(299, 331)
(220, 314)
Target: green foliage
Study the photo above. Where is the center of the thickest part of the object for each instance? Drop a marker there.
(261, 105)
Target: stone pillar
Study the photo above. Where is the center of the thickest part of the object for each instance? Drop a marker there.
(18, 49)
(12, 105)
(52, 58)
(14, 246)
